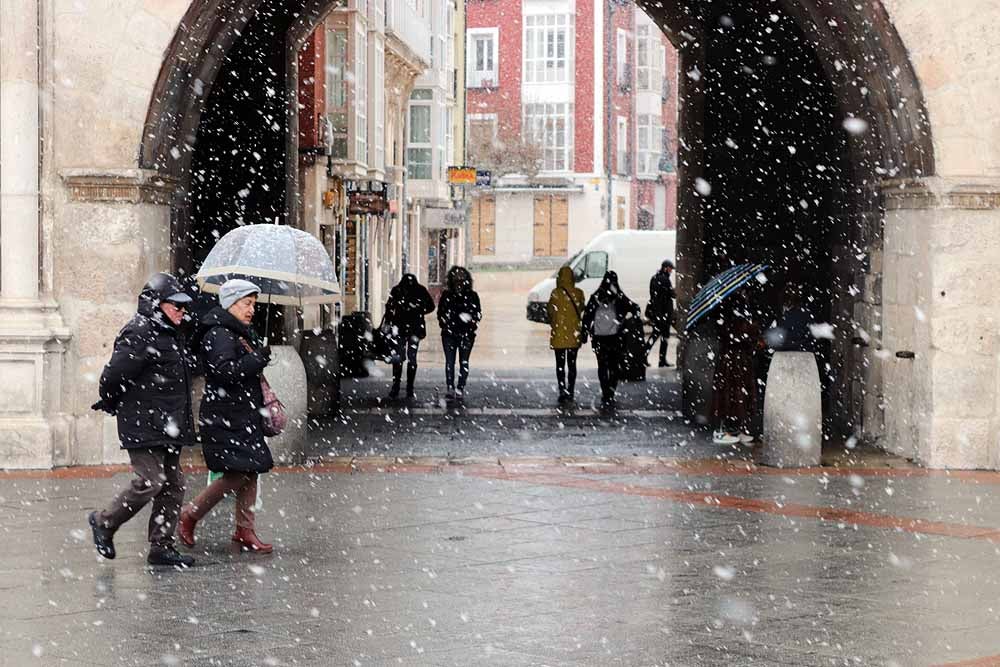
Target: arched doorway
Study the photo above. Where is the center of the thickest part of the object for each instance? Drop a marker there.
(767, 86)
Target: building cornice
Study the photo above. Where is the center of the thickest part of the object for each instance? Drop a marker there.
(120, 186)
(941, 193)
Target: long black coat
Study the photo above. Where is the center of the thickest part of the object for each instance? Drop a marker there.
(408, 303)
(459, 313)
(231, 423)
(147, 382)
(660, 309)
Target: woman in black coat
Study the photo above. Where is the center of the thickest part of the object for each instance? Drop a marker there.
(459, 313)
(408, 303)
(231, 422)
(609, 313)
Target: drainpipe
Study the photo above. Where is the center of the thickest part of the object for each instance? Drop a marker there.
(609, 80)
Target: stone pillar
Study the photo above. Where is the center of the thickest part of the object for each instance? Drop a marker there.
(33, 433)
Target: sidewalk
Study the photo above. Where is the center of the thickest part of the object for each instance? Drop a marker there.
(532, 562)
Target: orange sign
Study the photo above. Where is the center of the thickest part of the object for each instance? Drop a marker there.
(462, 175)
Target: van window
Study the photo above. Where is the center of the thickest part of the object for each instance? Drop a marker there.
(597, 264)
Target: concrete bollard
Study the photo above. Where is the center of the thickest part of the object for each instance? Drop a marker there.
(793, 412)
(700, 355)
(287, 376)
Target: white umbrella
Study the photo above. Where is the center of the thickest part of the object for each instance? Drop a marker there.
(290, 266)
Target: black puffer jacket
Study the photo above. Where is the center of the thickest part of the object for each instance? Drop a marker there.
(459, 313)
(408, 303)
(147, 382)
(660, 309)
(231, 423)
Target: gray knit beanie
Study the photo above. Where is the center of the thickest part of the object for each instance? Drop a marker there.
(234, 290)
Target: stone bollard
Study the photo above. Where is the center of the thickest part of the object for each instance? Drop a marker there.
(287, 376)
(793, 412)
(698, 368)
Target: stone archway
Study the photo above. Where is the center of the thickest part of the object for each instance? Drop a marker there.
(851, 50)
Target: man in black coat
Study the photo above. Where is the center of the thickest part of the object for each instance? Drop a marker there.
(660, 309)
(147, 385)
(408, 303)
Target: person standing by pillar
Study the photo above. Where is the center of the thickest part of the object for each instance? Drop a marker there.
(408, 303)
(565, 310)
(459, 313)
(604, 320)
(147, 386)
(660, 309)
(232, 427)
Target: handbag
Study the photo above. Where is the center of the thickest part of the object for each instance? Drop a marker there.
(385, 343)
(275, 417)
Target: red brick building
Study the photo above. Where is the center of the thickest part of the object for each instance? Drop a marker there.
(586, 93)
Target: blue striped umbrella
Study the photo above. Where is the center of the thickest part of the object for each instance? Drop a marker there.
(721, 286)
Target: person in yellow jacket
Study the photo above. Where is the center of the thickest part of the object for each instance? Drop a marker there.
(565, 310)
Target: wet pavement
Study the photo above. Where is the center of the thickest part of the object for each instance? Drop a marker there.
(436, 535)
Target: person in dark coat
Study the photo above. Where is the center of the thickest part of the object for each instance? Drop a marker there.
(231, 423)
(660, 309)
(147, 386)
(408, 303)
(609, 312)
(459, 313)
(734, 384)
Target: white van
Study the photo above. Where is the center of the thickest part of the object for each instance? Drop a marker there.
(634, 255)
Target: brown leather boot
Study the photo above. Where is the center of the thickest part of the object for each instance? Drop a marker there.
(185, 527)
(248, 541)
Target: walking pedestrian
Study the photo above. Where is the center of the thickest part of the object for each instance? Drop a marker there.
(147, 386)
(408, 303)
(231, 423)
(565, 309)
(660, 309)
(459, 313)
(606, 317)
(734, 398)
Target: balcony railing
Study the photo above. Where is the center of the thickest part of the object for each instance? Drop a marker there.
(403, 21)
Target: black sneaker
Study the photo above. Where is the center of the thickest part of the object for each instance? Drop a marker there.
(168, 555)
(102, 537)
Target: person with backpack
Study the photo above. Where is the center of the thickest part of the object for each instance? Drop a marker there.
(608, 314)
(408, 303)
(565, 310)
(459, 313)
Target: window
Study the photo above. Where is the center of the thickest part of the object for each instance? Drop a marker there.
(482, 58)
(337, 91)
(551, 127)
(666, 152)
(649, 56)
(649, 141)
(378, 112)
(361, 95)
(419, 151)
(548, 48)
(623, 161)
(592, 265)
(621, 61)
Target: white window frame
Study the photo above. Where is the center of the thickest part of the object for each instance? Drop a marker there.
(338, 92)
(376, 148)
(425, 147)
(648, 131)
(488, 77)
(543, 63)
(360, 93)
(650, 56)
(621, 59)
(621, 140)
(541, 123)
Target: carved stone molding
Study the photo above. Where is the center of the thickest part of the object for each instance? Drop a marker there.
(126, 186)
(941, 193)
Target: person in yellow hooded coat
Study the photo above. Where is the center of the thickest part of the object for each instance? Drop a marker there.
(565, 310)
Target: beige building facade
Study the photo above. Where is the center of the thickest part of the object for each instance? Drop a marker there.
(100, 158)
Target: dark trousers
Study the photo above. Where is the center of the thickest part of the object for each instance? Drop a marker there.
(407, 352)
(663, 333)
(566, 371)
(608, 350)
(462, 347)
(158, 477)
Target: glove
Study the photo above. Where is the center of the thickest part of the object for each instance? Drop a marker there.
(103, 406)
(265, 352)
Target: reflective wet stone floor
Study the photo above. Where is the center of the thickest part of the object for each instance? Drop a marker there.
(656, 550)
